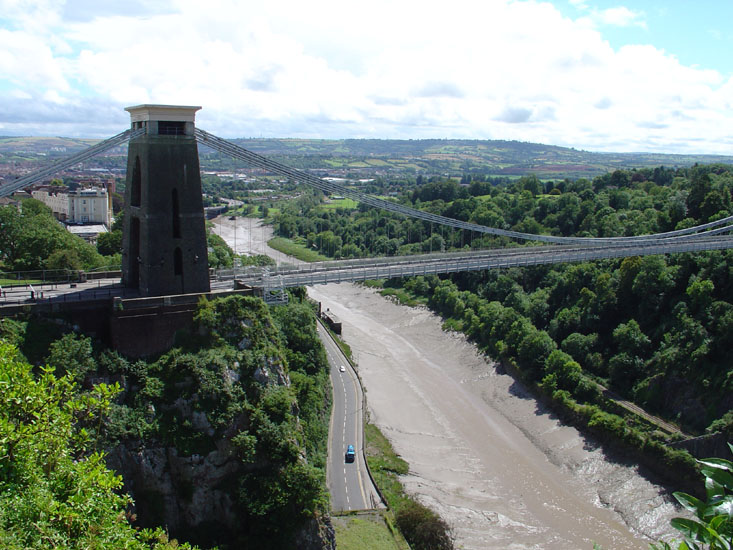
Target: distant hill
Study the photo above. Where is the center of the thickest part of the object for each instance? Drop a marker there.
(455, 157)
(388, 157)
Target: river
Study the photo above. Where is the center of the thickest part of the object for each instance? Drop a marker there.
(497, 466)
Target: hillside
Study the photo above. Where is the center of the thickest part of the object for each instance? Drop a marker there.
(385, 157)
(221, 441)
(455, 157)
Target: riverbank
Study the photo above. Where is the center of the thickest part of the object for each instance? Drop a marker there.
(496, 464)
(501, 469)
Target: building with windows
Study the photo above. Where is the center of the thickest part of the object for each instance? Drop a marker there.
(57, 200)
(90, 206)
(80, 207)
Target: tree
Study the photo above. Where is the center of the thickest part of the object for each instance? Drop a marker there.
(631, 339)
(567, 372)
(531, 184)
(55, 492)
(653, 280)
(73, 353)
(423, 528)
(28, 238)
(10, 234)
(713, 203)
(625, 370)
(109, 244)
(534, 349)
(579, 346)
(286, 226)
(700, 294)
(64, 260)
(699, 188)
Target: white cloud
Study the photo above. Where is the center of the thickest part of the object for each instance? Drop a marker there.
(495, 70)
(621, 16)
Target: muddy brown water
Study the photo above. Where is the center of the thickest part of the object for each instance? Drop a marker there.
(483, 453)
(498, 467)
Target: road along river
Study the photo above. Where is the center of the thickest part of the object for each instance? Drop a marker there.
(483, 453)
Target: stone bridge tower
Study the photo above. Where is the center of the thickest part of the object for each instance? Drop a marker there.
(164, 241)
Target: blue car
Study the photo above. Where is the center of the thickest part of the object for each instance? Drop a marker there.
(350, 454)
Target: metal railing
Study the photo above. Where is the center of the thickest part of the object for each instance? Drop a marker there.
(410, 266)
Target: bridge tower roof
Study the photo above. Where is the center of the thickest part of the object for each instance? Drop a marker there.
(163, 113)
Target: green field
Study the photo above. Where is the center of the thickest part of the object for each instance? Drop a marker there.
(295, 249)
(371, 531)
(333, 204)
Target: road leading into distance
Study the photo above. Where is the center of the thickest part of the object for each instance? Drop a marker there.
(349, 483)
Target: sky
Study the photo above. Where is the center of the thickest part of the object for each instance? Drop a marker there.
(597, 75)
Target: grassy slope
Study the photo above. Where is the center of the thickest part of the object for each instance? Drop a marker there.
(366, 532)
(295, 249)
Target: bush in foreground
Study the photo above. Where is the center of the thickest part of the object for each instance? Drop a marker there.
(56, 492)
(713, 528)
(423, 528)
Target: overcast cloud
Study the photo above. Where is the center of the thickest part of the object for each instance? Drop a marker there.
(491, 69)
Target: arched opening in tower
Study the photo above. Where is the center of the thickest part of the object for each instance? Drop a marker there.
(177, 261)
(136, 184)
(176, 215)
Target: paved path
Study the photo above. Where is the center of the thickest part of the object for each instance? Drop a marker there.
(349, 483)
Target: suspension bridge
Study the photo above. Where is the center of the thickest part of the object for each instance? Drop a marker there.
(542, 249)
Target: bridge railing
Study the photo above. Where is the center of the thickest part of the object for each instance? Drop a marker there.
(53, 293)
(406, 266)
(39, 276)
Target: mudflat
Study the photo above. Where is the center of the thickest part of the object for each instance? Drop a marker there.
(502, 470)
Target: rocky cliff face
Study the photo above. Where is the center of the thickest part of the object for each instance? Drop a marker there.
(209, 440)
(191, 496)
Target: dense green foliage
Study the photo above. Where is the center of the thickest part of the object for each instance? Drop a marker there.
(713, 528)
(32, 239)
(55, 490)
(250, 385)
(236, 375)
(220, 255)
(423, 528)
(109, 244)
(656, 329)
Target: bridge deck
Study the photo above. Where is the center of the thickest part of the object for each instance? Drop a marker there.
(265, 279)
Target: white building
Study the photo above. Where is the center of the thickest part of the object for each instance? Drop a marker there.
(80, 206)
(57, 201)
(90, 206)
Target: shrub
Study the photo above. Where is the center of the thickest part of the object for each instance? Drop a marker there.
(423, 528)
(713, 528)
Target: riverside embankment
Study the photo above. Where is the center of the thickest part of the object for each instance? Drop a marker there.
(489, 458)
(482, 452)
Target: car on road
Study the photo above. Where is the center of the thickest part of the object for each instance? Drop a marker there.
(342, 369)
(350, 454)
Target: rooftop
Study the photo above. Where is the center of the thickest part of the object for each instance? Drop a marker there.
(165, 113)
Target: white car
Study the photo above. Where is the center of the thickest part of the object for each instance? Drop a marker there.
(342, 369)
